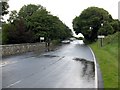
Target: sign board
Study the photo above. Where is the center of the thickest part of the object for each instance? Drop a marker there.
(42, 38)
(101, 36)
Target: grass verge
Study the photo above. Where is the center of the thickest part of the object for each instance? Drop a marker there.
(107, 57)
(0, 37)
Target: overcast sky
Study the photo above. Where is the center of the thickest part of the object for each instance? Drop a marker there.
(66, 10)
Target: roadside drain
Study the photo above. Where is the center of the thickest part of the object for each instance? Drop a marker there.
(88, 68)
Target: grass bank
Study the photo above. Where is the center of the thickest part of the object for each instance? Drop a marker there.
(0, 37)
(107, 57)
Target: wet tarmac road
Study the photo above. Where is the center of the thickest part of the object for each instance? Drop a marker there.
(70, 66)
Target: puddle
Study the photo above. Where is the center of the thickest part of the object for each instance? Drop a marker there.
(50, 56)
(88, 68)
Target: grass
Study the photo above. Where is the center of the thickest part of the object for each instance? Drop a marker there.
(0, 37)
(107, 57)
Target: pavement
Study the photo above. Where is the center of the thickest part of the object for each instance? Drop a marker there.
(69, 66)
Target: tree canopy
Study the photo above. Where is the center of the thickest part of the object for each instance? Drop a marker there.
(5, 7)
(12, 16)
(92, 22)
(33, 22)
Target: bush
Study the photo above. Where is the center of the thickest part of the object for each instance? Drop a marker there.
(5, 33)
(80, 38)
(87, 41)
(56, 42)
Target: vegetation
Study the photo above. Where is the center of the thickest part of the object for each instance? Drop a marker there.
(95, 21)
(31, 23)
(5, 7)
(34, 21)
(0, 37)
(107, 57)
(79, 38)
(56, 42)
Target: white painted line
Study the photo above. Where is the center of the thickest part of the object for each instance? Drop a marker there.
(14, 62)
(96, 76)
(14, 84)
(1, 65)
(7, 63)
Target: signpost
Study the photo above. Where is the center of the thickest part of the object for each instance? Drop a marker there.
(42, 39)
(101, 37)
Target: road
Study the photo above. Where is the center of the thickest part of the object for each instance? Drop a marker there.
(69, 66)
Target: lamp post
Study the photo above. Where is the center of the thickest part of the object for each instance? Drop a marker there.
(90, 28)
(101, 24)
(101, 37)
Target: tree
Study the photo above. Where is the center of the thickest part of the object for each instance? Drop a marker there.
(28, 10)
(13, 16)
(106, 29)
(115, 24)
(33, 22)
(43, 24)
(89, 22)
(5, 7)
(5, 33)
(16, 33)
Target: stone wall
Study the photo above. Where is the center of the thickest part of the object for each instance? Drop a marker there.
(21, 48)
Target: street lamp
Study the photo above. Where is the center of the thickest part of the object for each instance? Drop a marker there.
(90, 28)
(101, 24)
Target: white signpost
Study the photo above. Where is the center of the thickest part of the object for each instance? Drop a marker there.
(42, 39)
(101, 37)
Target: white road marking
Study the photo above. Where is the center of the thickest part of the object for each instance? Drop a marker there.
(14, 84)
(96, 76)
(7, 63)
(1, 65)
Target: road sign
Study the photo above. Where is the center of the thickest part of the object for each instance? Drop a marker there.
(101, 36)
(42, 38)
